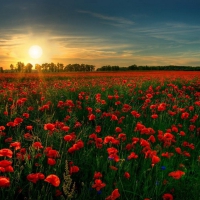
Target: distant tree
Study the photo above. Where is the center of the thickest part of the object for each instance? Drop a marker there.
(115, 68)
(12, 67)
(133, 67)
(1, 69)
(44, 67)
(20, 67)
(28, 67)
(92, 68)
(38, 67)
(60, 67)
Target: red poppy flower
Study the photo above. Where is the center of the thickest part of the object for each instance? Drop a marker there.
(152, 139)
(32, 178)
(122, 136)
(167, 196)
(113, 168)
(129, 147)
(108, 139)
(65, 128)
(187, 154)
(114, 157)
(26, 115)
(2, 134)
(182, 133)
(29, 127)
(18, 120)
(155, 159)
(68, 138)
(51, 153)
(6, 152)
(30, 108)
(73, 169)
(16, 145)
(149, 96)
(135, 140)
(93, 136)
(112, 150)
(9, 169)
(37, 145)
(118, 130)
(49, 127)
(5, 113)
(162, 106)
(176, 174)
(28, 136)
(133, 155)
(2, 169)
(114, 117)
(79, 144)
(5, 163)
(72, 149)
(98, 184)
(91, 117)
(135, 114)
(8, 139)
(51, 161)
(127, 175)
(117, 103)
(35, 177)
(11, 124)
(167, 154)
(53, 180)
(4, 181)
(58, 193)
(185, 115)
(114, 195)
(44, 107)
(154, 116)
(144, 142)
(178, 150)
(2, 128)
(89, 109)
(99, 142)
(98, 129)
(110, 97)
(97, 175)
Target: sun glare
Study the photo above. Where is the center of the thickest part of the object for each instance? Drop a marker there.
(35, 51)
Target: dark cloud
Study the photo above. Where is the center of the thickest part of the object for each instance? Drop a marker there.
(127, 29)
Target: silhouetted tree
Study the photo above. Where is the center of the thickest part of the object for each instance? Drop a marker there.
(20, 67)
(60, 67)
(12, 67)
(38, 67)
(28, 67)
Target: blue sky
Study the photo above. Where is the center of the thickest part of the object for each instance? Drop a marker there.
(106, 32)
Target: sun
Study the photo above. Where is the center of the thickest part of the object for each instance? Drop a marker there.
(35, 51)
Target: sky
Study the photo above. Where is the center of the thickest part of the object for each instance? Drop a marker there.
(106, 32)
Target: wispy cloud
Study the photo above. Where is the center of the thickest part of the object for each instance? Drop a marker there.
(112, 20)
(173, 32)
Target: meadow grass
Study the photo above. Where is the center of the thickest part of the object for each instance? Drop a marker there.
(140, 133)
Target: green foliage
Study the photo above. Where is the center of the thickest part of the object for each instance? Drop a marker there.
(70, 102)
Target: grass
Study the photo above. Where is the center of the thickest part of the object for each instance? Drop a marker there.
(91, 110)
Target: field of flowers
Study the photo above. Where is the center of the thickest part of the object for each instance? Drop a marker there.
(100, 136)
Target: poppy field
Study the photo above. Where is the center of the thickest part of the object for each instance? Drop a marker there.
(125, 135)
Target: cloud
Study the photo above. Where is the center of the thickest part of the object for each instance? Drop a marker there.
(115, 21)
(178, 33)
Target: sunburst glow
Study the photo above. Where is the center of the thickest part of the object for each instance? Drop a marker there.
(35, 51)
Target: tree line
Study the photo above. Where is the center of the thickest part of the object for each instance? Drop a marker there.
(51, 67)
(59, 67)
(140, 68)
